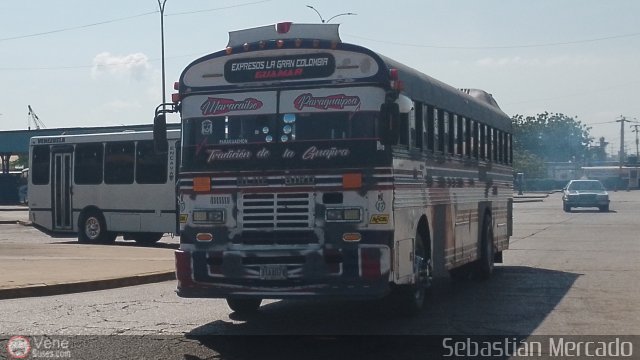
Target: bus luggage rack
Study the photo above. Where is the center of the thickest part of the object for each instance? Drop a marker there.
(276, 238)
(276, 211)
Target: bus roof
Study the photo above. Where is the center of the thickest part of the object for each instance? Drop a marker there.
(470, 103)
(100, 137)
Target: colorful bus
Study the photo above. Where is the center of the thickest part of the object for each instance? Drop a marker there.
(317, 168)
(104, 185)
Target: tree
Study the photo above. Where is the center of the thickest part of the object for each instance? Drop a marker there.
(551, 137)
(531, 165)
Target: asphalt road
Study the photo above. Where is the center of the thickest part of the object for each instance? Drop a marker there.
(565, 273)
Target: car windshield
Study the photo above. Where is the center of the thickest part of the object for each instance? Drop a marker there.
(585, 185)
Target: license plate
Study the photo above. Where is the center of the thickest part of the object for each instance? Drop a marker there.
(273, 272)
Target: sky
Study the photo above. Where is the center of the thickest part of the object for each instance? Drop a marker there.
(98, 63)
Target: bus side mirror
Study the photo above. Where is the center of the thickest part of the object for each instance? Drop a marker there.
(160, 144)
(389, 123)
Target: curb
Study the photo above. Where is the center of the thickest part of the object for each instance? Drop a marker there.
(84, 286)
(14, 222)
(515, 201)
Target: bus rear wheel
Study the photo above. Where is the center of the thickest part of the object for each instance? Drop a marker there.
(147, 238)
(409, 299)
(485, 265)
(92, 229)
(244, 306)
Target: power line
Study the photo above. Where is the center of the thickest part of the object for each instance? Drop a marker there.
(604, 38)
(123, 19)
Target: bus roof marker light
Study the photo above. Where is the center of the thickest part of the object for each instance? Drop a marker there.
(283, 27)
(176, 85)
(280, 43)
(298, 42)
(262, 44)
(229, 50)
(175, 97)
(245, 46)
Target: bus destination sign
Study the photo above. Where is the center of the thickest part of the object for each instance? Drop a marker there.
(305, 66)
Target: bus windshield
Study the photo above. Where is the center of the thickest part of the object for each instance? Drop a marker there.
(272, 133)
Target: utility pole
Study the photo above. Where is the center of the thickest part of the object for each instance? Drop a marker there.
(636, 126)
(622, 120)
(161, 5)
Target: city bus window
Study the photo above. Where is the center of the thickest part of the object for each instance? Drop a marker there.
(88, 163)
(483, 140)
(329, 126)
(40, 165)
(151, 168)
(119, 162)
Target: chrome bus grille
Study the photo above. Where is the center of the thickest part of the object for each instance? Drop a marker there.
(287, 211)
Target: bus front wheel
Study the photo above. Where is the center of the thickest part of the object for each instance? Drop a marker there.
(147, 238)
(93, 229)
(244, 306)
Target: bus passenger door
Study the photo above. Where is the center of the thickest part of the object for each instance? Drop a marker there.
(62, 192)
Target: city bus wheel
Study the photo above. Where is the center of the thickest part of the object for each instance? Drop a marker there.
(147, 238)
(244, 306)
(92, 228)
(409, 299)
(485, 265)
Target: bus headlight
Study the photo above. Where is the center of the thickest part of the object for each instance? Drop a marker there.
(343, 215)
(213, 216)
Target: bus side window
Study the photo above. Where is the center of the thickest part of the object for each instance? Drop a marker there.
(119, 162)
(88, 163)
(151, 168)
(419, 126)
(404, 129)
(40, 165)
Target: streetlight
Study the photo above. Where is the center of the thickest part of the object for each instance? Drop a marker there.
(161, 5)
(331, 18)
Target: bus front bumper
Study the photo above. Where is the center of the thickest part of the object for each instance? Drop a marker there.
(357, 273)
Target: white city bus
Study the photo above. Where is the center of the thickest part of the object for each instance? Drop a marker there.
(316, 168)
(104, 185)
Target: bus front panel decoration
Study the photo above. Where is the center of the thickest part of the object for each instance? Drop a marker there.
(316, 168)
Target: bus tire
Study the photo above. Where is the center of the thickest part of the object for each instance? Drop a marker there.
(244, 306)
(409, 299)
(92, 228)
(147, 238)
(485, 265)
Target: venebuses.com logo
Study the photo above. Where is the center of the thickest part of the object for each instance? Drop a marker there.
(18, 347)
(32, 347)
